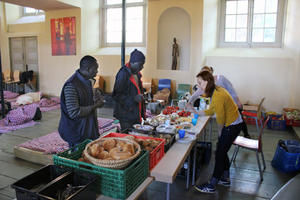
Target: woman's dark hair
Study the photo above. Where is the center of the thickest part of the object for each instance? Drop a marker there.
(210, 87)
(208, 68)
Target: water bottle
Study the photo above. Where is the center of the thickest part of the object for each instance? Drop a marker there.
(202, 104)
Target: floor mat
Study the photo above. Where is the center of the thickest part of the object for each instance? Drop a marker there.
(6, 129)
(52, 143)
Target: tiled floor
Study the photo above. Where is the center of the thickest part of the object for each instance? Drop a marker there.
(244, 173)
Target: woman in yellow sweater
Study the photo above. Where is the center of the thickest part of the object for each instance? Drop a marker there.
(229, 126)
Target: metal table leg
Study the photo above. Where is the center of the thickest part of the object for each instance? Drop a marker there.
(168, 191)
(210, 129)
(194, 164)
(188, 173)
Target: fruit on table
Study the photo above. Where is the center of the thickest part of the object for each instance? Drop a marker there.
(170, 110)
(184, 113)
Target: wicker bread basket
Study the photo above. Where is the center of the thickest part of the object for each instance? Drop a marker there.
(113, 164)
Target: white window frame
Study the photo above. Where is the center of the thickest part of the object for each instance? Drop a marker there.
(104, 29)
(38, 12)
(281, 14)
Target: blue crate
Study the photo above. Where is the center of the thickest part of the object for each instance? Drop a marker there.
(275, 123)
(287, 159)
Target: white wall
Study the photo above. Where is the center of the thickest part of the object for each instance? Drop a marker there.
(258, 72)
(90, 23)
(254, 78)
(155, 10)
(292, 43)
(13, 12)
(210, 22)
(168, 28)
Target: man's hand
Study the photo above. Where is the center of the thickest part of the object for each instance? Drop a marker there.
(97, 94)
(138, 98)
(99, 103)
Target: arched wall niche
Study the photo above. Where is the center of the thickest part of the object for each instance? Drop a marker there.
(168, 28)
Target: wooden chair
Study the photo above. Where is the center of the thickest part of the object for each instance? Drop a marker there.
(6, 78)
(7, 75)
(251, 144)
(147, 84)
(15, 80)
(255, 112)
(99, 83)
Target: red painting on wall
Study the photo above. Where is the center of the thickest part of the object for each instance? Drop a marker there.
(63, 36)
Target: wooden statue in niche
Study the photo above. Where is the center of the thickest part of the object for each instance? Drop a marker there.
(175, 54)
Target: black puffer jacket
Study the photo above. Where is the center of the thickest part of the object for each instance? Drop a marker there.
(126, 109)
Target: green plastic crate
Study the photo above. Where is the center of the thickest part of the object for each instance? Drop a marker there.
(115, 183)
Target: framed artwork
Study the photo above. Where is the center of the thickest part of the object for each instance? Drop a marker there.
(63, 36)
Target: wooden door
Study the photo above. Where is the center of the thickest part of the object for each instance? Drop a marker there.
(24, 55)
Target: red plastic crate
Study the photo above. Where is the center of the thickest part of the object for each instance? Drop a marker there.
(251, 121)
(290, 122)
(155, 155)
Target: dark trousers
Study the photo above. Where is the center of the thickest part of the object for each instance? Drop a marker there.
(225, 141)
(244, 125)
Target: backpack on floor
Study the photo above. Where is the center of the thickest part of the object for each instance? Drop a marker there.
(38, 114)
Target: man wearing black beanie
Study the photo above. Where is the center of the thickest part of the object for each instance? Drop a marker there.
(128, 92)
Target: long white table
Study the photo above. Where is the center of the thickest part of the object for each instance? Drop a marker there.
(167, 168)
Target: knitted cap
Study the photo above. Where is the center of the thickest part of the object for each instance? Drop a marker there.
(137, 56)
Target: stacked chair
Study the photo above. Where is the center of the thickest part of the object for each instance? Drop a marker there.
(164, 91)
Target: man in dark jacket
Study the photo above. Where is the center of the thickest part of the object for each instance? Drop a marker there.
(78, 108)
(128, 92)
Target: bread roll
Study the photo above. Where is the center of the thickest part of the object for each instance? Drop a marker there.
(117, 154)
(95, 149)
(109, 144)
(103, 155)
(148, 148)
(146, 143)
(129, 148)
(121, 155)
(121, 144)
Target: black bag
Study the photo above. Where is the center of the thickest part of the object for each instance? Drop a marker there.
(7, 107)
(38, 114)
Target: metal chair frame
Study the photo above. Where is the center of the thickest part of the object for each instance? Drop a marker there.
(257, 150)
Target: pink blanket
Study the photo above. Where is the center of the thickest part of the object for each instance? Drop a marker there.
(48, 144)
(9, 95)
(104, 122)
(6, 129)
(53, 143)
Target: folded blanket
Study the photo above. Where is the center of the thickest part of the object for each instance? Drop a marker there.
(7, 129)
(9, 95)
(50, 143)
(20, 115)
(104, 122)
